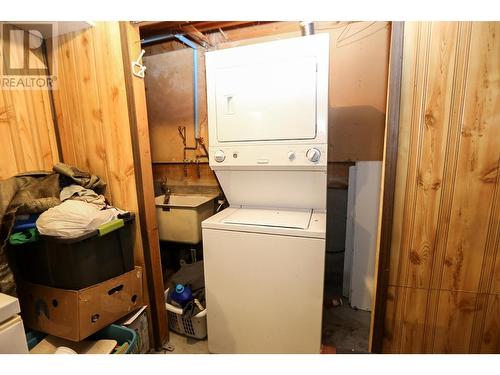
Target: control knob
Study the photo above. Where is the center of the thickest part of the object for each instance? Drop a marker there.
(219, 156)
(313, 155)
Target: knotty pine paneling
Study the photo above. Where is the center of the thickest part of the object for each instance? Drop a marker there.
(490, 337)
(92, 112)
(27, 132)
(444, 266)
(475, 214)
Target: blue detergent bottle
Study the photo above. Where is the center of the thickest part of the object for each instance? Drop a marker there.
(182, 294)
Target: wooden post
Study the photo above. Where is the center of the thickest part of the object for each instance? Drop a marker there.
(136, 98)
(389, 183)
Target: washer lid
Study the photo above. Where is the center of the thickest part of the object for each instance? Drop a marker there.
(316, 226)
(279, 218)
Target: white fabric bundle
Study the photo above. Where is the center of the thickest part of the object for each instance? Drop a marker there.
(73, 218)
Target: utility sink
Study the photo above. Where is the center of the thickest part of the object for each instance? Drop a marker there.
(180, 219)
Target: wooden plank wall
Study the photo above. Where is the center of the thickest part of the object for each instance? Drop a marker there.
(27, 133)
(357, 97)
(92, 115)
(444, 278)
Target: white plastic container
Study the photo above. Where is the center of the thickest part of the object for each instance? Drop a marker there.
(180, 219)
(12, 335)
(195, 326)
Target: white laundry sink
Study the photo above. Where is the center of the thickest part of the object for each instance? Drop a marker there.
(180, 219)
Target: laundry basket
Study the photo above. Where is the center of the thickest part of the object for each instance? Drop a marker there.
(195, 326)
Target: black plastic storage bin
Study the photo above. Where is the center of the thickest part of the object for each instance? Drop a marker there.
(76, 263)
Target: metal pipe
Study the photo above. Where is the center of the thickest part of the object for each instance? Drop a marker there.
(307, 28)
(157, 39)
(189, 43)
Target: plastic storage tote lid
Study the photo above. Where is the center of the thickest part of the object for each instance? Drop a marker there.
(179, 288)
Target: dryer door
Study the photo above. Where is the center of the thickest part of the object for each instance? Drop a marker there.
(273, 100)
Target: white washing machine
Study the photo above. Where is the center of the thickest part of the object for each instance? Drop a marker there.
(264, 255)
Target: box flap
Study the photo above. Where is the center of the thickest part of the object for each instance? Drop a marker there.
(130, 318)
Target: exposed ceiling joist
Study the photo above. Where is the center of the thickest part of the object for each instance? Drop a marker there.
(197, 35)
(149, 28)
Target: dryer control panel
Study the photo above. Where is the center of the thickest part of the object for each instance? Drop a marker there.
(278, 156)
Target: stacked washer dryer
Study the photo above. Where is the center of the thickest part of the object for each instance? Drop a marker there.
(264, 255)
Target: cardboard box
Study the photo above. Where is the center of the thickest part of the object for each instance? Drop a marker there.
(76, 314)
(138, 321)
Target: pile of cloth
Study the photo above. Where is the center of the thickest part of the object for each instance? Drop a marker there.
(69, 203)
(82, 211)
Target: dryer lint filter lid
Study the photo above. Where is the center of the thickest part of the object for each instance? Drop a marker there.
(280, 218)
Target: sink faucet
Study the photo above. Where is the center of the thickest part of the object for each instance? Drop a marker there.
(165, 190)
(166, 198)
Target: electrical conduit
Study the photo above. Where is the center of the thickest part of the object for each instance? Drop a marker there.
(189, 43)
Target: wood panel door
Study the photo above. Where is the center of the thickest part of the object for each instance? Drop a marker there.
(444, 271)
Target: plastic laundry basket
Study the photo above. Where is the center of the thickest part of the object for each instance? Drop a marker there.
(195, 326)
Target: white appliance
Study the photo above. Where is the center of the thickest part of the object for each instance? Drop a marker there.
(264, 255)
(12, 336)
(361, 233)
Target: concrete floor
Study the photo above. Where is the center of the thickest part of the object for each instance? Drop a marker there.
(346, 329)
(185, 345)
